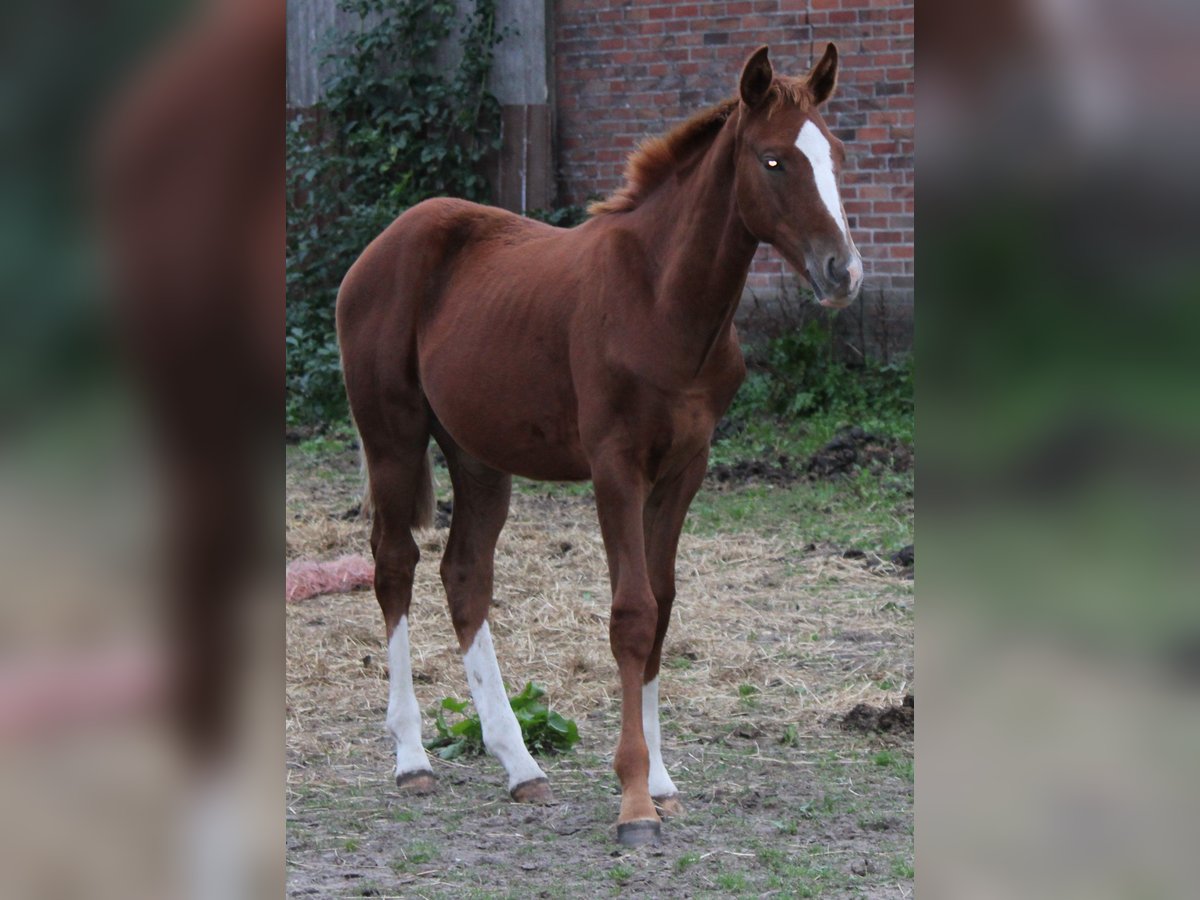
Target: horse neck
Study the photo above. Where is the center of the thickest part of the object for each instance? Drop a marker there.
(695, 232)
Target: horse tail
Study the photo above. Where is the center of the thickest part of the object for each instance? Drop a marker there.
(423, 503)
(366, 506)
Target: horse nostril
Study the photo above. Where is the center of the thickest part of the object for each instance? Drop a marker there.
(837, 272)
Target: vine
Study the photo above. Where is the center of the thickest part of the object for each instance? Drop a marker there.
(397, 124)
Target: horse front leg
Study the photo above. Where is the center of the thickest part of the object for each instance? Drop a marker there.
(663, 521)
(621, 492)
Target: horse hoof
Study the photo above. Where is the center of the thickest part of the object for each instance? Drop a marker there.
(639, 832)
(419, 782)
(669, 805)
(535, 790)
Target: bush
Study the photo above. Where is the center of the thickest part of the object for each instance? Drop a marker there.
(797, 378)
(395, 127)
(561, 216)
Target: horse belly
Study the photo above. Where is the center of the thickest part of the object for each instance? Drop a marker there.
(513, 409)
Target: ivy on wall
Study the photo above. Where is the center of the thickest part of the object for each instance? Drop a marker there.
(397, 124)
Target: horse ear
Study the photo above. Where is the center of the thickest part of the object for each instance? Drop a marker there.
(823, 77)
(756, 78)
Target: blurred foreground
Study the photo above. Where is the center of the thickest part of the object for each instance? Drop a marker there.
(1059, 636)
(141, 244)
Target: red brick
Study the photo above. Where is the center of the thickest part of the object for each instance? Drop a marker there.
(654, 69)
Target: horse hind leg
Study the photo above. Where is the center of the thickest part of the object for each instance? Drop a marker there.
(481, 498)
(396, 485)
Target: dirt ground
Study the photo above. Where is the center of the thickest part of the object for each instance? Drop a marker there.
(785, 653)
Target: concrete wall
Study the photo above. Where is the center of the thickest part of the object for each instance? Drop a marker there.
(309, 22)
(521, 80)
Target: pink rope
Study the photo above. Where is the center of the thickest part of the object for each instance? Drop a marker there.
(309, 578)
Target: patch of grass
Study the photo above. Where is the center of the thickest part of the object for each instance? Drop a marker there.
(797, 876)
(421, 852)
(350, 845)
(866, 512)
(415, 854)
(826, 805)
(902, 763)
(620, 874)
(788, 826)
(884, 758)
(552, 488)
(902, 868)
(404, 815)
(338, 440)
(686, 861)
(772, 857)
(791, 736)
(732, 881)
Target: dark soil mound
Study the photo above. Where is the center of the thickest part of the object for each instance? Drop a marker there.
(889, 720)
(782, 470)
(853, 448)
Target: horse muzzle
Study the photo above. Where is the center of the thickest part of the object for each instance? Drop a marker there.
(839, 281)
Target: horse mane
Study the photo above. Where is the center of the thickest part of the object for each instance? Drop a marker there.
(656, 158)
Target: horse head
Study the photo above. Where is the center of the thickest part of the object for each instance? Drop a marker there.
(787, 164)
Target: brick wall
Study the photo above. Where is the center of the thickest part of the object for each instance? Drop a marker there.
(631, 69)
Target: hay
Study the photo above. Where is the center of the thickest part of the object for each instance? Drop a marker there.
(763, 635)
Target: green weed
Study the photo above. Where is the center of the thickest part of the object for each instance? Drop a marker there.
(732, 881)
(419, 852)
(620, 874)
(902, 868)
(545, 732)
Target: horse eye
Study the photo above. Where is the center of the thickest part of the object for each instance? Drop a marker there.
(771, 162)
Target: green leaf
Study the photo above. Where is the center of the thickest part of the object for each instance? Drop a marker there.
(452, 751)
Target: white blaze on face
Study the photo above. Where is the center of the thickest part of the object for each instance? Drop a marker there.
(403, 715)
(816, 149)
(501, 732)
(661, 784)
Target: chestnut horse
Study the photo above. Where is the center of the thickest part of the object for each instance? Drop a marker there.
(603, 352)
